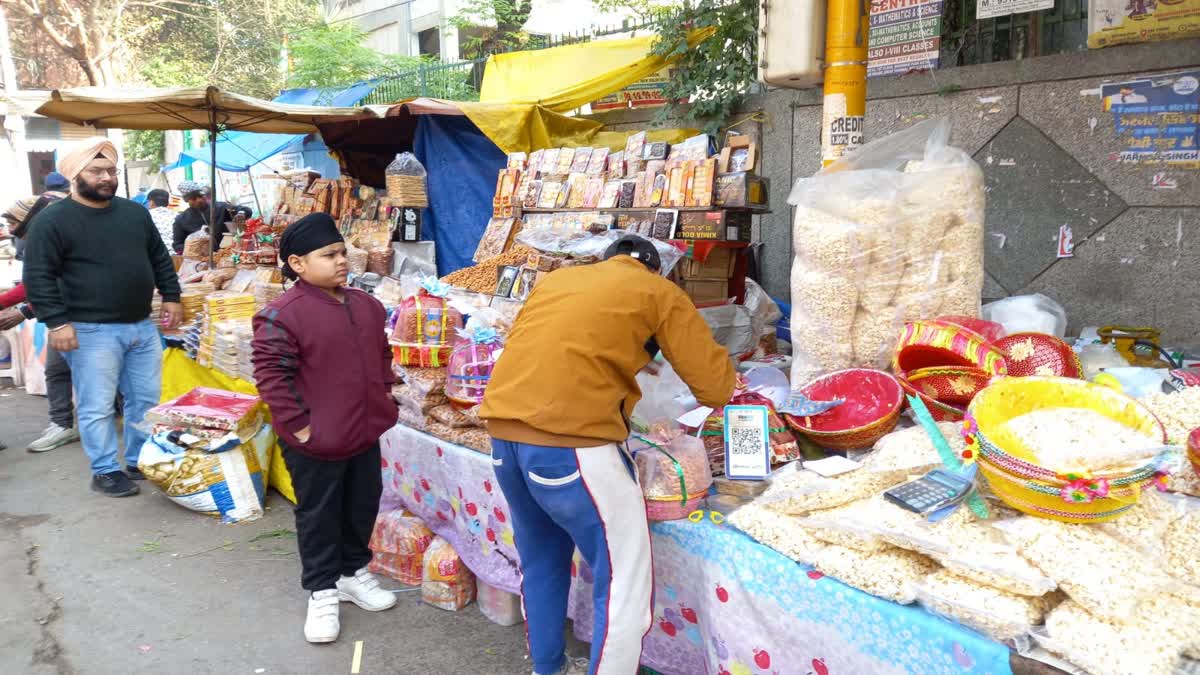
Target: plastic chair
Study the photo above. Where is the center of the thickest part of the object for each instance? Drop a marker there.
(16, 369)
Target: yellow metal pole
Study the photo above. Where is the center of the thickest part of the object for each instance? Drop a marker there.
(845, 90)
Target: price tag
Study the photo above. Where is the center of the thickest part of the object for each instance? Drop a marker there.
(747, 450)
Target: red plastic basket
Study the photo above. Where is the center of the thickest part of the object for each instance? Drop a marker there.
(874, 400)
(946, 391)
(1039, 354)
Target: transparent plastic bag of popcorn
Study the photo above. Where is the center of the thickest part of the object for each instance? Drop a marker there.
(892, 233)
(1104, 575)
(1145, 644)
(1002, 616)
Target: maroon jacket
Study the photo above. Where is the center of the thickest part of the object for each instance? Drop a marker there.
(325, 365)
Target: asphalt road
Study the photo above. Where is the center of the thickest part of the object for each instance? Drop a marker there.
(95, 585)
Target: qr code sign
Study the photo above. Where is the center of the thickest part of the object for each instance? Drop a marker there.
(745, 441)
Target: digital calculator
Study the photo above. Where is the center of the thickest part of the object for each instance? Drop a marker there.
(933, 491)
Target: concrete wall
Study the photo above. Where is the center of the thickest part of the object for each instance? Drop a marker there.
(1038, 129)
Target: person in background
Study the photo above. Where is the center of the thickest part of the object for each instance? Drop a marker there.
(556, 407)
(15, 310)
(57, 187)
(91, 268)
(158, 201)
(323, 367)
(56, 182)
(198, 198)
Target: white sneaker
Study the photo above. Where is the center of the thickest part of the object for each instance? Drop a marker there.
(363, 590)
(322, 624)
(53, 437)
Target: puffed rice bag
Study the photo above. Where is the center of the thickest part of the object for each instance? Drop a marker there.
(910, 452)
(781, 532)
(848, 526)
(1144, 525)
(995, 564)
(880, 239)
(1146, 645)
(891, 574)
(800, 492)
(999, 615)
(1181, 545)
(1103, 574)
(1179, 412)
(1185, 482)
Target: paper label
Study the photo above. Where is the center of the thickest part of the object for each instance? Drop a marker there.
(834, 465)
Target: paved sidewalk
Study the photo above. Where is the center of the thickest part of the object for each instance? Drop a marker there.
(94, 585)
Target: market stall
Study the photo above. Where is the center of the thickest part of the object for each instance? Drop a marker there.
(723, 602)
(974, 484)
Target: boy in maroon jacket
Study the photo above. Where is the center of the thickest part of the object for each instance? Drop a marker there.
(323, 367)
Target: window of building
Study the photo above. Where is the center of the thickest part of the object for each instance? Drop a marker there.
(429, 42)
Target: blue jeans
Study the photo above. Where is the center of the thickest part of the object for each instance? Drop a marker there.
(112, 357)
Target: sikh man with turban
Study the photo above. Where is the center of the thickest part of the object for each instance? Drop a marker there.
(92, 264)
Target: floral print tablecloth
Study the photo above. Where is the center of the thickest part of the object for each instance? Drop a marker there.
(724, 604)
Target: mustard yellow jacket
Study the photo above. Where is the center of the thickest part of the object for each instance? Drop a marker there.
(566, 376)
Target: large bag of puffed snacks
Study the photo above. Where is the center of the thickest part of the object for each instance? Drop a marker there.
(888, 234)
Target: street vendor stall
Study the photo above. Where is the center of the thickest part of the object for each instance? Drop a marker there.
(723, 602)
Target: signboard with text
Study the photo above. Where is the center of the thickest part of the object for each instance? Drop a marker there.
(989, 9)
(905, 36)
(1118, 22)
(1157, 119)
(644, 93)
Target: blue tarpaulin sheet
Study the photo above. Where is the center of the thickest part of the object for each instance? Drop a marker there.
(462, 165)
(240, 150)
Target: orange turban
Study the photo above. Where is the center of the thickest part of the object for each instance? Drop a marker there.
(73, 164)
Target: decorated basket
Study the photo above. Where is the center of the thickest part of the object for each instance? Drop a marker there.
(990, 330)
(672, 509)
(1011, 468)
(930, 344)
(1039, 354)
(873, 398)
(1193, 449)
(946, 390)
(469, 370)
(425, 327)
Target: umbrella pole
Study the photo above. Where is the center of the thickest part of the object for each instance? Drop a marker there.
(212, 203)
(257, 204)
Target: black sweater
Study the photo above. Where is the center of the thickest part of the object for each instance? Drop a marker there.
(96, 265)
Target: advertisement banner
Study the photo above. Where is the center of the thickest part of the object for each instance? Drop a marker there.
(1157, 119)
(989, 9)
(905, 36)
(644, 93)
(1118, 22)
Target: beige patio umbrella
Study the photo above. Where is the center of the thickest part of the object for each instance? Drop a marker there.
(195, 108)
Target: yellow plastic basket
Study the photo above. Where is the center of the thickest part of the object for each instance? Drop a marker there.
(1011, 468)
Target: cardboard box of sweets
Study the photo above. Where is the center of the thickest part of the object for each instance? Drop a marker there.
(714, 226)
(741, 190)
(706, 290)
(717, 266)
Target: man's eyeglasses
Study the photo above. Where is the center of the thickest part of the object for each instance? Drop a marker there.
(96, 173)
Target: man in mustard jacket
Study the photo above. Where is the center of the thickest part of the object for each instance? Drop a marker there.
(557, 407)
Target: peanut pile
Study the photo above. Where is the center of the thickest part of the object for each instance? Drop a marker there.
(482, 277)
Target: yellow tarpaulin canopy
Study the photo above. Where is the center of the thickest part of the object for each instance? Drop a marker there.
(516, 127)
(568, 77)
